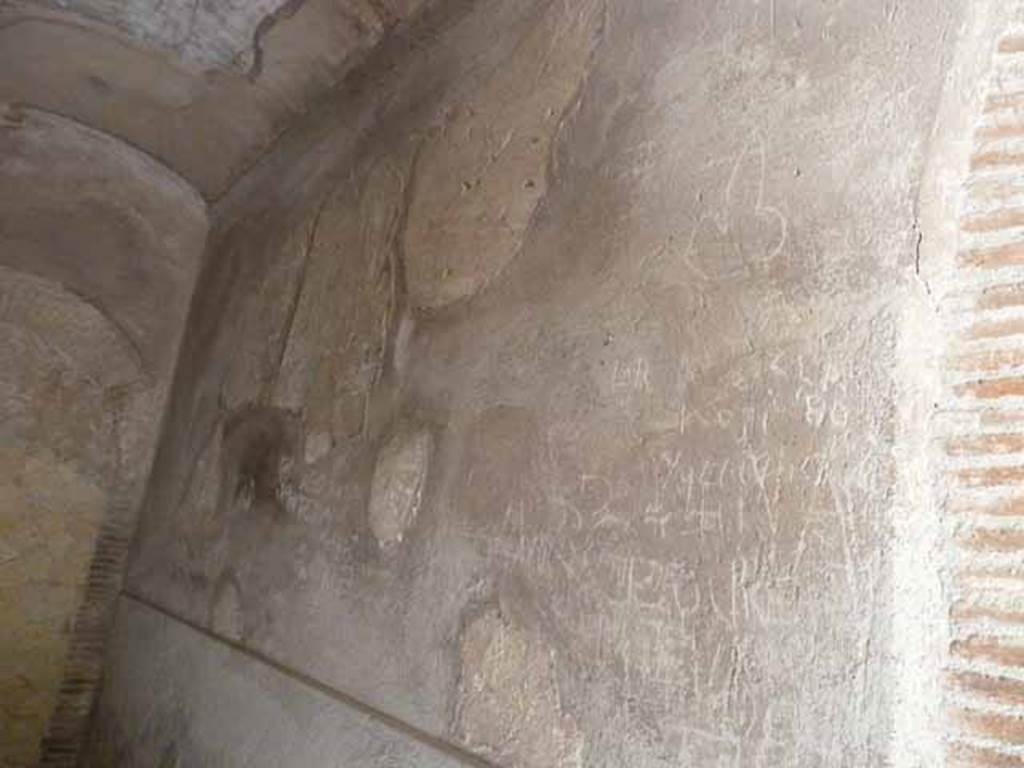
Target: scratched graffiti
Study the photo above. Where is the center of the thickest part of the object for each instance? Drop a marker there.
(741, 232)
(689, 567)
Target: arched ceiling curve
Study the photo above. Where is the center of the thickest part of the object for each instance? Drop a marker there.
(99, 250)
(205, 34)
(85, 212)
(205, 87)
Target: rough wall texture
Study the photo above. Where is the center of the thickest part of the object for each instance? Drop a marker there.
(546, 401)
(99, 247)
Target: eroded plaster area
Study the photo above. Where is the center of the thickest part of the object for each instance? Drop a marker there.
(98, 249)
(599, 253)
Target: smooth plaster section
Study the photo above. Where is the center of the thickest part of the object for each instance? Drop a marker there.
(178, 697)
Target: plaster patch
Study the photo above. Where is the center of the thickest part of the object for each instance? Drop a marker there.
(481, 176)
(50, 515)
(398, 486)
(509, 704)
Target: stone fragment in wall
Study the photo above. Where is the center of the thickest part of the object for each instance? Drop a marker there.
(509, 706)
(480, 177)
(397, 489)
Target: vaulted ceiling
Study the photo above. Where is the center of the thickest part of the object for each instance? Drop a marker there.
(203, 86)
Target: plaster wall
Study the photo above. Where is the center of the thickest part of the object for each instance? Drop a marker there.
(99, 247)
(545, 395)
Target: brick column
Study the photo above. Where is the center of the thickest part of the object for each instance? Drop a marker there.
(983, 434)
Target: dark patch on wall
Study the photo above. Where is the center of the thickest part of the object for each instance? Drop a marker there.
(259, 450)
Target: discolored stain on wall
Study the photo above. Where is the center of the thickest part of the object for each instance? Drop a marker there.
(205, 87)
(339, 338)
(258, 457)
